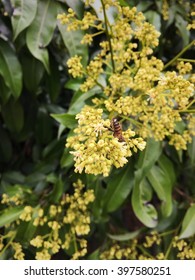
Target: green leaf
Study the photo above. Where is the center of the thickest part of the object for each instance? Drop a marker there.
(5, 146)
(67, 159)
(95, 255)
(181, 24)
(119, 187)
(73, 84)
(23, 15)
(161, 183)
(188, 224)
(14, 177)
(78, 101)
(44, 127)
(191, 151)
(53, 80)
(144, 211)
(154, 18)
(57, 191)
(72, 41)
(35, 177)
(53, 150)
(148, 157)
(143, 5)
(9, 215)
(10, 68)
(26, 231)
(5, 92)
(33, 71)
(110, 12)
(13, 115)
(97, 206)
(167, 166)
(125, 236)
(141, 191)
(67, 120)
(40, 32)
(77, 6)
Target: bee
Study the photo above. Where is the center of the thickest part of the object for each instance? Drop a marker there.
(117, 130)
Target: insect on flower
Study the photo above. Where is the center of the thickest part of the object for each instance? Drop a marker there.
(117, 130)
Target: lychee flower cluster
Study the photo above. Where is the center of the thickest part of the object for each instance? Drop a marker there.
(71, 216)
(130, 67)
(96, 150)
(156, 113)
(133, 86)
(58, 227)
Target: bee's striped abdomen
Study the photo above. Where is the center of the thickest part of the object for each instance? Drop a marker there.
(117, 130)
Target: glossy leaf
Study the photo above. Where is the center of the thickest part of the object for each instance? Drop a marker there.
(97, 207)
(67, 159)
(23, 15)
(53, 80)
(40, 32)
(10, 68)
(53, 150)
(181, 24)
(35, 177)
(77, 6)
(14, 177)
(95, 255)
(73, 84)
(13, 115)
(9, 215)
(161, 183)
(167, 166)
(5, 92)
(79, 100)
(57, 191)
(110, 12)
(142, 207)
(5, 146)
(119, 187)
(141, 192)
(154, 18)
(188, 224)
(27, 230)
(67, 120)
(191, 151)
(33, 71)
(43, 127)
(125, 236)
(147, 158)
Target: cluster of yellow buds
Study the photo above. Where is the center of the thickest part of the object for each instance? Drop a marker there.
(96, 150)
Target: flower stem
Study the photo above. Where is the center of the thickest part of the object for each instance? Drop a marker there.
(187, 60)
(108, 35)
(179, 54)
(8, 243)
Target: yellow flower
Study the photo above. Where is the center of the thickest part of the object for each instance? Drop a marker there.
(37, 241)
(18, 255)
(75, 66)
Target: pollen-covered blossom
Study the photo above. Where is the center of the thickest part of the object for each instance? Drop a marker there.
(18, 255)
(77, 215)
(118, 251)
(27, 214)
(75, 66)
(96, 150)
(118, 53)
(184, 68)
(157, 112)
(37, 241)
